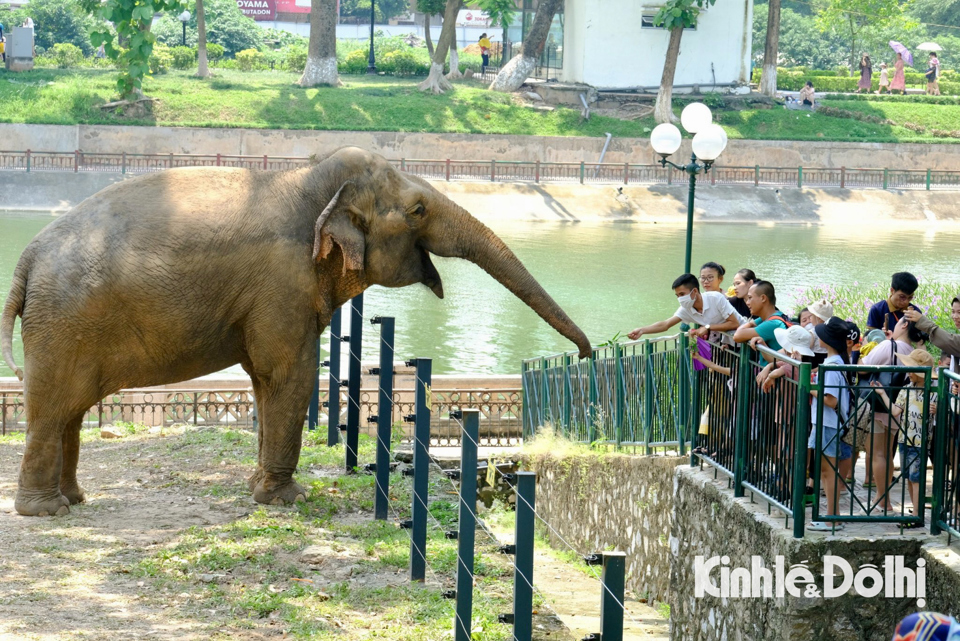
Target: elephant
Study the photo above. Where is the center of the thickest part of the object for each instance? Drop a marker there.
(169, 276)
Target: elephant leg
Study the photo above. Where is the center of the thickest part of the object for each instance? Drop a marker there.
(71, 454)
(38, 488)
(282, 403)
(254, 480)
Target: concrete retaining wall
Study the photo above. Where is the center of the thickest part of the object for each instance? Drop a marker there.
(770, 153)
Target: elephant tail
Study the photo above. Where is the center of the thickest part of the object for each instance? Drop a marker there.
(11, 309)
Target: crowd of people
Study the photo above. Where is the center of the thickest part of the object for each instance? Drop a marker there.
(885, 409)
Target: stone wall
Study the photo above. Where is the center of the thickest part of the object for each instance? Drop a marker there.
(612, 501)
(256, 142)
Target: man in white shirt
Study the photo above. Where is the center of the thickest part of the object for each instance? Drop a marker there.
(710, 310)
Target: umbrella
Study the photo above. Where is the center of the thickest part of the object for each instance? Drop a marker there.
(903, 51)
(929, 46)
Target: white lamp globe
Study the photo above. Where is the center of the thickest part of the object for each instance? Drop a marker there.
(719, 132)
(184, 17)
(709, 143)
(695, 117)
(665, 139)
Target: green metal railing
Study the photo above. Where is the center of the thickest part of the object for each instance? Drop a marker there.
(649, 394)
(626, 394)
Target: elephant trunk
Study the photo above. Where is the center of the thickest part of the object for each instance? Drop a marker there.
(461, 235)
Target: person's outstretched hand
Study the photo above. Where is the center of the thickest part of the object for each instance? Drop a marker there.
(912, 315)
(635, 334)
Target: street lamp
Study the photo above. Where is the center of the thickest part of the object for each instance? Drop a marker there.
(184, 18)
(371, 63)
(709, 141)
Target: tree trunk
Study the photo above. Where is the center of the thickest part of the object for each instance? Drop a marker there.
(768, 76)
(515, 72)
(454, 73)
(321, 68)
(435, 82)
(663, 111)
(426, 34)
(202, 70)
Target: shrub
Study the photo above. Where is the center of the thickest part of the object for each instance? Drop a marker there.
(249, 59)
(402, 63)
(67, 55)
(295, 59)
(183, 57)
(355, 62)
(214, 52)
(160, 59)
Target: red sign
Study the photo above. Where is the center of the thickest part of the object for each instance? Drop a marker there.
(293, 6)
(258, 9)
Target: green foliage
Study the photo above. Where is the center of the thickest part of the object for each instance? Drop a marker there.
(384, 9)
(67, 55)
(281, 39)
(356, 62)
(56, 21)
(183, 57)
(849, 19)
(436, 7)
(501, 12)
(249, 59)
(680, 14)
(132, 19)
(403, 63)
(794, 79)
(226, 26)
(214, 52)
(937, 12)
(161, 59)
(295, 58)
(801, 43)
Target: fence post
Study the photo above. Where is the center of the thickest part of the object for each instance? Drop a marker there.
(467, 523)
(123, 163)
(313, 412)
(76, 165)
(594, 395)
(611, 601)
(647, 394)
(536, 175)
(939, 457)
(526, 413)
(743, 420)
(218, 160)
(384, 416)
(756, 175)
(799, 177)
(567, 395)
(843, 177)
(493, 171)
(403, 164)
(626, 172)
(713, 175)
(353, 382)
(421, 469)
(543, 394)
(581, 172)
(685, 427)
(928, 180)
(801, 424)
(264, 162)
(523, 561)
(619, 398)
(885, 172)
(28, 161)
(333, 387)
(448, 169)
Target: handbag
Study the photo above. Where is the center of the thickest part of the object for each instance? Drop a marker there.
(892, 382)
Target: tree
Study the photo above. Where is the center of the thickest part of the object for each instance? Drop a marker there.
(501, 13)
(224, 24)
(768, 77)
(383, 9)
(435, 81)
(937, 12)
(851, 17)
(132, 19)
(515, 73)
(454, 73)
(800, 43)
(429, 8)
(56, 21)
(321, 66)
(675, 15)
(202, 70)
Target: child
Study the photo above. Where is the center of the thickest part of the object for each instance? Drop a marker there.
(834, 336)
(884, 79)
(907, 411)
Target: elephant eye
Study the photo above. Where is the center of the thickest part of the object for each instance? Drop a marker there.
(418, 210)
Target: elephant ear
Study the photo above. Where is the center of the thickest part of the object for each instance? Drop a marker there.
(334, 226)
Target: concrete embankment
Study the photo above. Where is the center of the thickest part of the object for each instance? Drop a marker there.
(655, 204)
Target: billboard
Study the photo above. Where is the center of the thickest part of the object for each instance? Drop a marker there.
(259, 9)
(293, 6)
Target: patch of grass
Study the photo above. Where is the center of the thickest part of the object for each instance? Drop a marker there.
(928, 115)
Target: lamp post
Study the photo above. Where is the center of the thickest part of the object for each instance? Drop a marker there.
(371, 63)
(709, 141)
(184, 18)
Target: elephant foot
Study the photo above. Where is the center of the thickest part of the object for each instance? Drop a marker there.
(286, 493)
(41, 504)
(73, 493)
(254, 480)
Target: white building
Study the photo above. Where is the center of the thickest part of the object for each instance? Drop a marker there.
(612, 44)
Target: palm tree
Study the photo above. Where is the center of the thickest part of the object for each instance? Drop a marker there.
(321, 67)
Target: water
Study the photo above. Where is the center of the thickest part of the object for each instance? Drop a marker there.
(609, 278)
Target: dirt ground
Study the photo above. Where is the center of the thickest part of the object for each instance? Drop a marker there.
(170, 546)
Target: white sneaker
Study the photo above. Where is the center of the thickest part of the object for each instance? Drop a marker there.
(824, 526)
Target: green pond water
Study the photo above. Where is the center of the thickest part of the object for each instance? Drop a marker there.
(609, 278)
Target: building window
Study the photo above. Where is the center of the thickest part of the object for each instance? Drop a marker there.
(646, 20)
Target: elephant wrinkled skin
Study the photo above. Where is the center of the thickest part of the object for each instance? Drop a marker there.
(174, 275)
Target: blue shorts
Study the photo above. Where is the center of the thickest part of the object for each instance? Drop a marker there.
(911, 462)
(831, 445)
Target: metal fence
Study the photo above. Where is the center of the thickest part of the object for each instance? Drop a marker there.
(768, 434)
(503, 170)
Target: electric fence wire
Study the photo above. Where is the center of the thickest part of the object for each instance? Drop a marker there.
(565, 542)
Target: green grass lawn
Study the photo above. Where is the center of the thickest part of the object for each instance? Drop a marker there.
(272, 100)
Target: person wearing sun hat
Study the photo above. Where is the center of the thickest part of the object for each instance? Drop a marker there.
(835, 335)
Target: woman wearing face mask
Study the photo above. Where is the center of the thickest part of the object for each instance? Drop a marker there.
(711, 277)
(742, 281)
